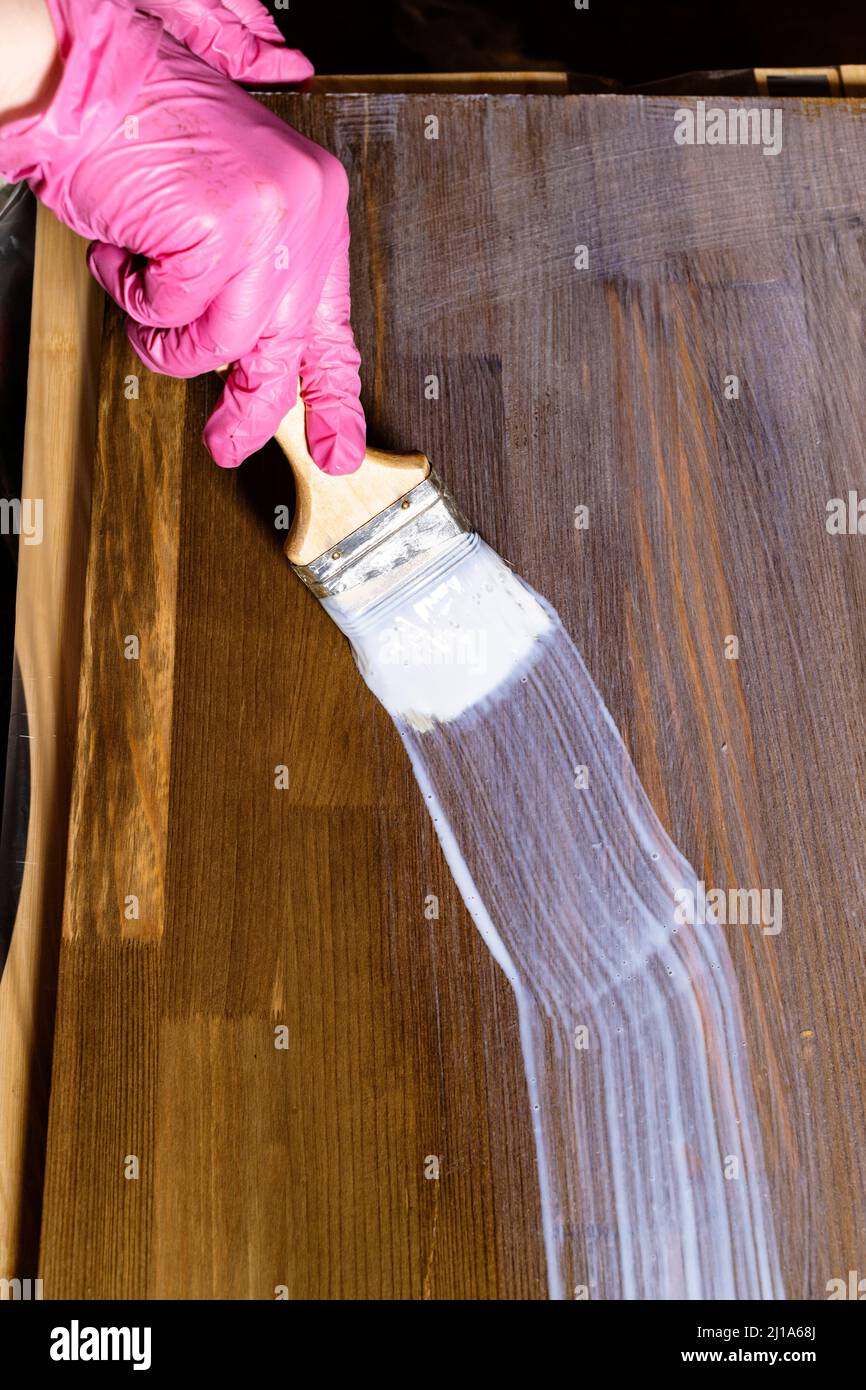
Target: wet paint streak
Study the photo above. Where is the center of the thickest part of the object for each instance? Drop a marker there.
(648, 1147)
(658, 326)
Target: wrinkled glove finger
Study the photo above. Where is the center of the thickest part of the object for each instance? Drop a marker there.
(221, 37)
(330, 380)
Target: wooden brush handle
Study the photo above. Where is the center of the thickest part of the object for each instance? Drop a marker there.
(329, 508)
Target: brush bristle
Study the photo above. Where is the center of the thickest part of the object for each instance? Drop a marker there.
(442, 634)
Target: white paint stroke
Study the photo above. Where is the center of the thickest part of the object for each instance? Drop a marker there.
(647, 1141)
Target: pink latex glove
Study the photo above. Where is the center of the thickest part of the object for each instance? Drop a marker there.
(220, 230)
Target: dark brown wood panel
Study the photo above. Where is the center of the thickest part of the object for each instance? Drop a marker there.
(304, 1167)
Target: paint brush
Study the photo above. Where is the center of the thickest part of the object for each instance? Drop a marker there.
(436, 619)
(571, 880)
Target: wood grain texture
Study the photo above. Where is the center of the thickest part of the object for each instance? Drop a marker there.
(304, 1168)
(65, 337)
(125, 701)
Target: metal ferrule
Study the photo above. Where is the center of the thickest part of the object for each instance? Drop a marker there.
(424, 517)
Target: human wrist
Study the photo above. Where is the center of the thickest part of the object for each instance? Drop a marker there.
(30, 62)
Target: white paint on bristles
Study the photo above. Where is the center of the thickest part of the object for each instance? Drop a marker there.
(647, 1142)
(458, 627)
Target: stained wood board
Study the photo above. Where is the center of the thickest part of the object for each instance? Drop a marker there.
(66, 327)
(188, 1155)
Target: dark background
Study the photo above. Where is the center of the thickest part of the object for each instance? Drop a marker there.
(633, 41)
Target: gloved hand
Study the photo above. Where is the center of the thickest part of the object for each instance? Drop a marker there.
(219, 229)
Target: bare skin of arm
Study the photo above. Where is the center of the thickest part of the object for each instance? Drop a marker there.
(30, 65)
